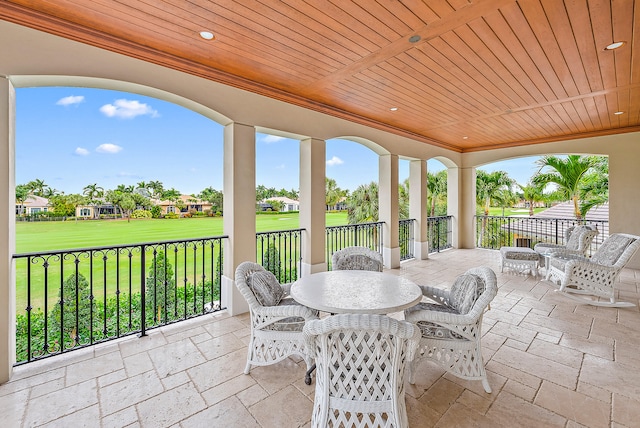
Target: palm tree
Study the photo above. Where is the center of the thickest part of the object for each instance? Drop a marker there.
(156, 188)
(22, 193)
(93, 191)
(532, 193)
(333, 194)
(403, 199)
(38, 187)
(596, 185)
(436, 189)
(362, 204)
(569, 174)
(489, 185)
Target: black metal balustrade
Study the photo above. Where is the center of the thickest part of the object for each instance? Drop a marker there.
(439, 233)
(406, 238)
(362, 234)
(280, 252)
(80, 297)
(494, 232)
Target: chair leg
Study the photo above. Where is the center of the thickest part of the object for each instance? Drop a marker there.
(485, 385)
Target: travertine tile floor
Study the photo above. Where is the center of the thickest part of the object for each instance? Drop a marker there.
(550, 362)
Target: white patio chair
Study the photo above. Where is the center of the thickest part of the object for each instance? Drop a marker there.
(357, 258)
(360, 371)
(595, 276)
(276, 319)
(451, 327)
(577, 241)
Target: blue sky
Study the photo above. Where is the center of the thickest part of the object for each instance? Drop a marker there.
(72, 137)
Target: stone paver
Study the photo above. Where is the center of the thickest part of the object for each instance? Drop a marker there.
(550, 362)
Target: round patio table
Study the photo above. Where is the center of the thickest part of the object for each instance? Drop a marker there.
(356, 291)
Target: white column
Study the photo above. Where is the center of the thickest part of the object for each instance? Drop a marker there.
(418, 209)
(313, 205)
(624, 204)
(239, 209)
(7, 230)
(388, 209)
(466, 224)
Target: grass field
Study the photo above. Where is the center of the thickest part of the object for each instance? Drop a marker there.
(56, 235)
(39, 237)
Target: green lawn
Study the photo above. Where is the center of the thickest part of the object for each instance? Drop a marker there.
(513, 211)
(38, 237)
(56, 235)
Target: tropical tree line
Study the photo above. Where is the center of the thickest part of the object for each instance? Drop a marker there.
(583, 180)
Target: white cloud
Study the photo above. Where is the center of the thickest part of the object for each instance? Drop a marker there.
(70, 100)
(127, 109)
(281, 166)
(272, 139)
(127, 174)
(335, 161)
(80, 151)
(108, 148)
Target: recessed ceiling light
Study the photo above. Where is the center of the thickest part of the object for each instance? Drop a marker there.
(618, 113)
(394, 109)
(207, 35)
(614, 45)
(465, 138)
(414, 39)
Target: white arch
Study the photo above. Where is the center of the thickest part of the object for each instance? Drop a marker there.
(119, 85)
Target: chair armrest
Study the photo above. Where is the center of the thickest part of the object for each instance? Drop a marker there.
(287, 288)
(439, 295)
(287, 311)
(570, 255)
(581, 265)
(444, 319)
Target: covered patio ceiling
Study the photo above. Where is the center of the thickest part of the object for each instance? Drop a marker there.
(465, 75)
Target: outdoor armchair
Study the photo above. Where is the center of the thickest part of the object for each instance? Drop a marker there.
(360, 373)
(276, 319)
(451, 325)
(357, 258)
(596, 276)
(577, 241)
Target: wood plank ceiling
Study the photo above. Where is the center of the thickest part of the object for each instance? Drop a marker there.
(483, 74)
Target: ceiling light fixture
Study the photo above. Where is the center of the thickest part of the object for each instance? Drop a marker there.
(207, 35)
(614, 45)
(618, 113)
(394, 109)
(465, 138)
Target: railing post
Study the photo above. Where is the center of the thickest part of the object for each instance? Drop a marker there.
(143, 303)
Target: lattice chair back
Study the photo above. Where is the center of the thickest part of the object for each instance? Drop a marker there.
(276, 319)
(357, 258)
(577, 241)
(360, 374)
(451, 325)
(579, 238)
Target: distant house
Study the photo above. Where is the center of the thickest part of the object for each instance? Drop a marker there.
(189, 203)
(288, 204)
(33, 205)
(95, 210)
(340, 206)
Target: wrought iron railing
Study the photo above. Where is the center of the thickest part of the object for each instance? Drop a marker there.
(406, 238)
(362, 234)
(71, 299)
(280, 252)
(439, 233)
(494, 232)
